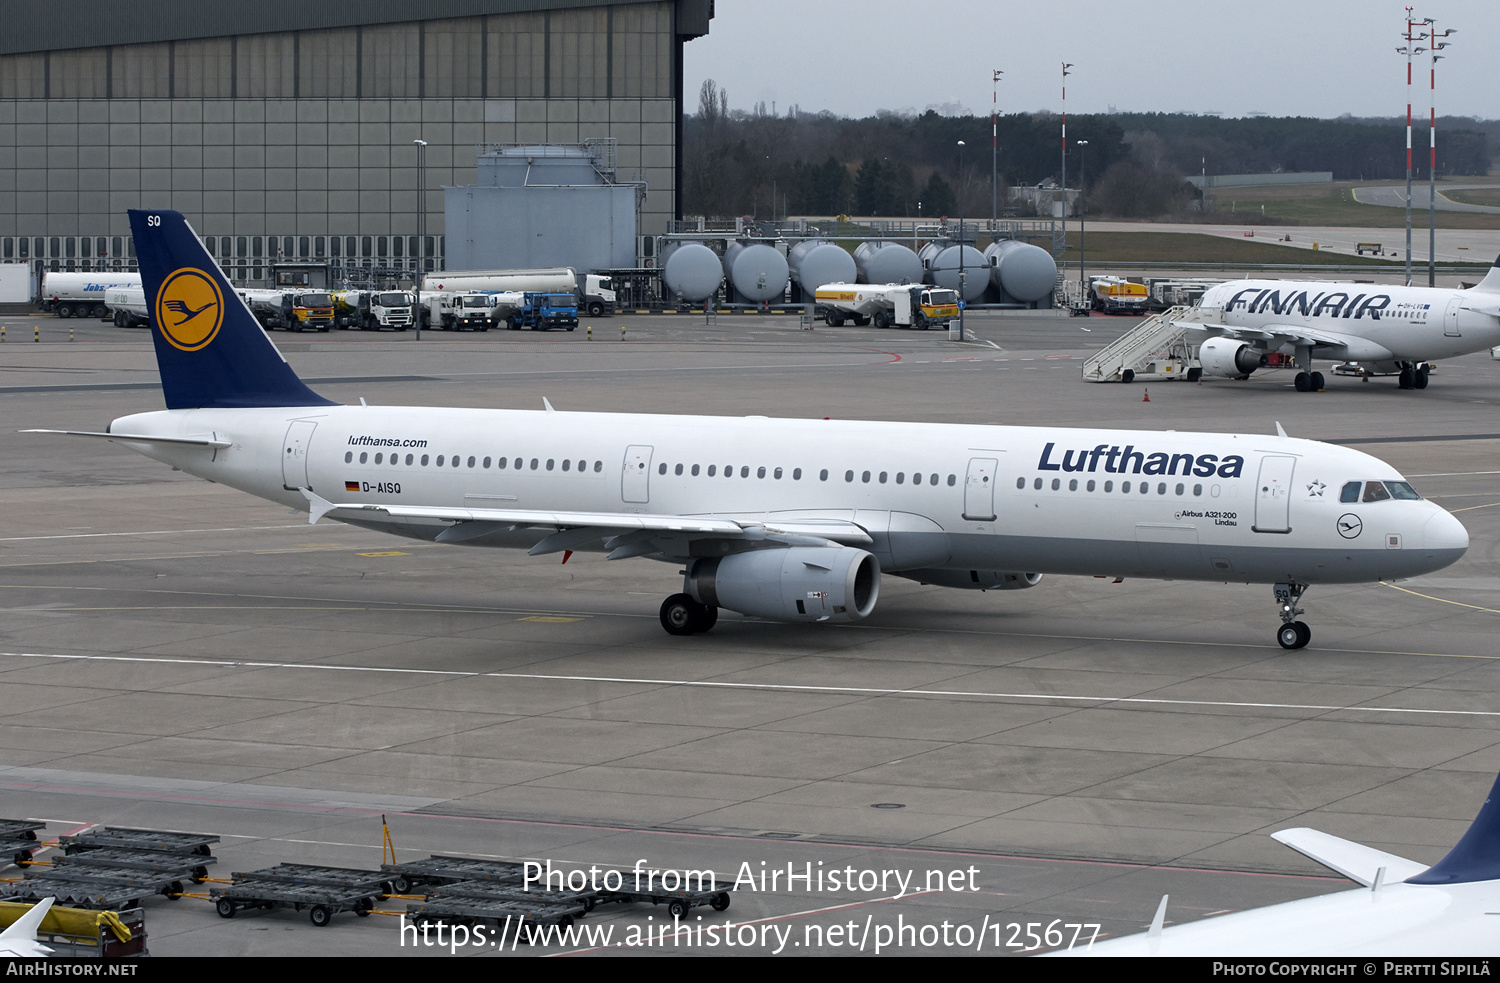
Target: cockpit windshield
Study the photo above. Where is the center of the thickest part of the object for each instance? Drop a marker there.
(1378, 491)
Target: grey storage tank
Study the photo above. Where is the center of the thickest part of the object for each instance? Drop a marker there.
(1026, 272)
(757, 270)
(878, 261)
(691, 270)
(814, 262)
(941, 260)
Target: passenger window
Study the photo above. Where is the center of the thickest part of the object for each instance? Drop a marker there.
(1350, 492)
(900, 477)
(424, 460)
(363, 456)
(379, 458)
(761, 472)
(695, 471)
(486, 463)
(745, 471)
(848, 475)
(1037, 485)
(1197, 491)
(1073, 485)
(471, 461)
(1125, 487)
(1375, 492)
(796, 474)
(1090, 485)
(823, 475)
(534, 463)
(501, 463)
(1161, 488)
(1109, 486)
(1180, 489)
(1056, 483)
(865, 477)
(439, 460)
(777, 474)
(550, 462)
(934, 480)
(348, 456)
(660, 468)
(598, 466)
(882, 477)
(1020, 482)
(455, 460)
(678, 470)
(952, 480)
(713, 469)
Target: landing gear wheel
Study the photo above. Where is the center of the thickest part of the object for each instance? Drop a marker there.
(1407, 379)
(225, 908)
(1420, 382)
(320, 915)
(1293, 636)
(1317, 381)
(678, 614)
(1302, 383)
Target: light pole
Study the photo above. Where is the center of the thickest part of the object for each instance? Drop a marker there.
(995, 154)
(1065, 66)
(1408, 51)
(1435, 46)
(1083, 290)
(416, 311)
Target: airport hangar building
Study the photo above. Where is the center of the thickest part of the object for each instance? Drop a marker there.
(284, 129)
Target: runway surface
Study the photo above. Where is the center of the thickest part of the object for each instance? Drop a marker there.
(177, 654)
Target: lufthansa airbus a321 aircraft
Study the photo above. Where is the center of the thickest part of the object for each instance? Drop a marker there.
(789, 520)
(1373, 330)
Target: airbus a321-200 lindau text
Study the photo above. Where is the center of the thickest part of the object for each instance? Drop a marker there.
(780, 519)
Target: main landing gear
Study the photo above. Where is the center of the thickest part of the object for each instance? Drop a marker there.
(1292, 634)
(681, 615)
(1306, 381)
(1413, 375)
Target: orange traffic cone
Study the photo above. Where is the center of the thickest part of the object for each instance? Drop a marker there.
(1146, 398)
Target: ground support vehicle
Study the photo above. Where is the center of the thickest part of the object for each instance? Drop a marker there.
(126, 838)
(544, 311)
(96, 887)
(81, 932)
(323, 891)
(371, 310)
(469, 310)
(290, 311)
(82, 294)
(18, 838)
(178, 866)
(902, 305)
(678, 903)
(1114, 295)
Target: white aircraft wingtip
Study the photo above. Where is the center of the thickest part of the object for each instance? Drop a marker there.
(547, 405)
(1161, 918)
(1280, 431)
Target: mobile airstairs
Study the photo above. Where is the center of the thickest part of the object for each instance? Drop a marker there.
(1157, 348)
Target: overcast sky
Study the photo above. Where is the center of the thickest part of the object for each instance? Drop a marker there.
(1319, 58)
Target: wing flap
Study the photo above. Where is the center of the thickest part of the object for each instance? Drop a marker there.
(1355, 861)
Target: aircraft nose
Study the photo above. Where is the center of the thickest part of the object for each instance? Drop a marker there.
(1443, 534)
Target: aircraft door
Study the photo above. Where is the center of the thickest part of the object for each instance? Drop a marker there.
(294, 455)
(636, 475)
(1450, 318)
(979, 489)
(1273, 494)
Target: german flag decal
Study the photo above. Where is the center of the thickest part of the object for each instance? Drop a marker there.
(351, 486)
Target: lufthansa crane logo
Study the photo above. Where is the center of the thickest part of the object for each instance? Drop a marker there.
(189, 309)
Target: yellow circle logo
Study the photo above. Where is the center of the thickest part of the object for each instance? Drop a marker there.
(189, 309)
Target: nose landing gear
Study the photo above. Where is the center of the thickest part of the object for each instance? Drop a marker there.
(1292, 634)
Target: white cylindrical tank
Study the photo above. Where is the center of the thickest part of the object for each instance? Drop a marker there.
(941, 260)
(691, 270)
(756, 269)
(886, 262)
(555, 279)
(1024, 271)
(814, 262)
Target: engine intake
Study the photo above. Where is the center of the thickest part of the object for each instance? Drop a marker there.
(799, 583)
(1228, 358)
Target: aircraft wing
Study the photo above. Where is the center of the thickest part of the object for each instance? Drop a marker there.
(1488, 305)
(628, 533)
(1345, 345)
(1355, 861)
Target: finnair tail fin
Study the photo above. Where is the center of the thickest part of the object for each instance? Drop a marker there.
(1476, 857)
(1491, 282)
(20, 938)
(209, 348)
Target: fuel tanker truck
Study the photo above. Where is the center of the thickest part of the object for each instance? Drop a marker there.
(905, 305)
(82, 294)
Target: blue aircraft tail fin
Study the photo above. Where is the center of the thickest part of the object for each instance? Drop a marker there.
(1491, 282)
(1476, 857)
(209, 348)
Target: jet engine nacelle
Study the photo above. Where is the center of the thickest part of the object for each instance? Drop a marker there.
(800, 583)
(1228, 358)
(975, 579)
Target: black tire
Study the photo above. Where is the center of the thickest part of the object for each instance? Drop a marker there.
(1302, 383)
(200, 874)
(1293, 636)
(882, 320)
(98, 311)
(678, 614)
(596, 309)
(320, 915)
(1318, 382)
(64, 310)
(1128, 375)
(1194, 375)
(225, 908)
(572, 326)
(1420, 381)
(119, 319)
(705, 617)
(512, 324)
(835, 320)
(1407, 379)
(678, 909)
(720, 901)
(400, 885)
(172, 891)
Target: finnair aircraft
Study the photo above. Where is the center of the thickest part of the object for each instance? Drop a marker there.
(1403, 909)
(1374, 330)
(788, 520)
(19, 940)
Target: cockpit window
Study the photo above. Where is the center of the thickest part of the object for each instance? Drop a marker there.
(1350, 492)
(1402, 491)
(1375, 492)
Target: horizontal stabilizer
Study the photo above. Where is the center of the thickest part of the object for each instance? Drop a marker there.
(131, 438)
(1355, 861)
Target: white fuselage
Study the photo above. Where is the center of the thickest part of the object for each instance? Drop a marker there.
(1376, 322)
(933, 497)
(1398, 919)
